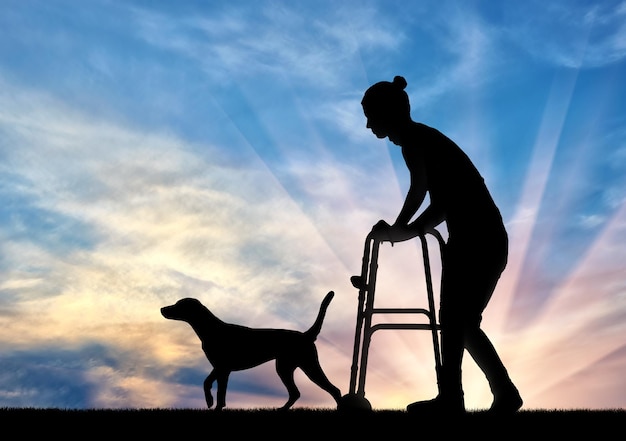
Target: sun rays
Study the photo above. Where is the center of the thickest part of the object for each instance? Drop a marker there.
(220, 151)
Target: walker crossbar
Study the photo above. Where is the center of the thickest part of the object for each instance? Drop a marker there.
(366, 284)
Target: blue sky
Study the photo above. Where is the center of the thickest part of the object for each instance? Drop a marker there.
(157, 150)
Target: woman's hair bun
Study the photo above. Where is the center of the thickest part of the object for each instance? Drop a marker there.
(399, 82)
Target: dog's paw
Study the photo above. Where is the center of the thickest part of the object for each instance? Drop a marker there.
(209, 400)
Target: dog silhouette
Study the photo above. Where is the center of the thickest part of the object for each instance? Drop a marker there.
(230, 347)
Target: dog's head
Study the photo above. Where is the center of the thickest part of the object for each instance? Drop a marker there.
(185, 309)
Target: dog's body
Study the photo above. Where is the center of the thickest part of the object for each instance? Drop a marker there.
(230, 347)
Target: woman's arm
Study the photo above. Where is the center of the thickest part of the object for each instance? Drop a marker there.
(417, 190)
(413, 201)
(401, 229)
(428, 220)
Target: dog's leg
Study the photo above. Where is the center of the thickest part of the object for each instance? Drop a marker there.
(222, 384)
(208, 383)
(312, 369)
(318, 377)
(285, 371)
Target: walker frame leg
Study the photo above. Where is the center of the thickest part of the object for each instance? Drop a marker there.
(366, 284)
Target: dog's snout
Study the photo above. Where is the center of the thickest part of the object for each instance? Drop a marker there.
(166, 311)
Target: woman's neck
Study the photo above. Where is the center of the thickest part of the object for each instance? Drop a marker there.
(400, 135)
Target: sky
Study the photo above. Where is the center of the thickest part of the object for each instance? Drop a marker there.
(155, 150)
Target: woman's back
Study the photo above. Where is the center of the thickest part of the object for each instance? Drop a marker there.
(453, 182)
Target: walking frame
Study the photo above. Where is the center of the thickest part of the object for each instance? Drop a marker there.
(366, 284)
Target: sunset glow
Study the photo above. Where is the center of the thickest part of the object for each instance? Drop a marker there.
(154, 150)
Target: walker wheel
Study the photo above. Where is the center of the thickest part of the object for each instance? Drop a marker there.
(354, 403)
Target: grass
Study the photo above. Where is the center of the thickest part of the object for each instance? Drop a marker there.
(305, 423)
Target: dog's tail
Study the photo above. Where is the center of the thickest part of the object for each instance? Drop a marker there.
(317, 326)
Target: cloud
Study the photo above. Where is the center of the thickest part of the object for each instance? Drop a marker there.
(277, 40)
(164, 219)
(46, 377)
(468, 56)
(155, 218)
(569, 34)
(232, 164)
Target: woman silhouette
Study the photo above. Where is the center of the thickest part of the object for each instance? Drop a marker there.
(476, 250)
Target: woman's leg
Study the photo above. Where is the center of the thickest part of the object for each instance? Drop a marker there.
(506, 395)
(484, 276)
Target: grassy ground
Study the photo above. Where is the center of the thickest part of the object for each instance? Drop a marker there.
(307, 424)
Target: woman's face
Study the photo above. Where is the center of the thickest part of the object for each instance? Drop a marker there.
(377, 129)
(376, 123)
(384, 126)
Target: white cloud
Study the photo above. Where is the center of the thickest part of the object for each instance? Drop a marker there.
(455, 51)
(279, 40)
(591, 221)
(159, 217)
(167, 222)
(570, 34)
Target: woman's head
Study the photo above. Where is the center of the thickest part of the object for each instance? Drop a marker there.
(386, 105)
(387, 97)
